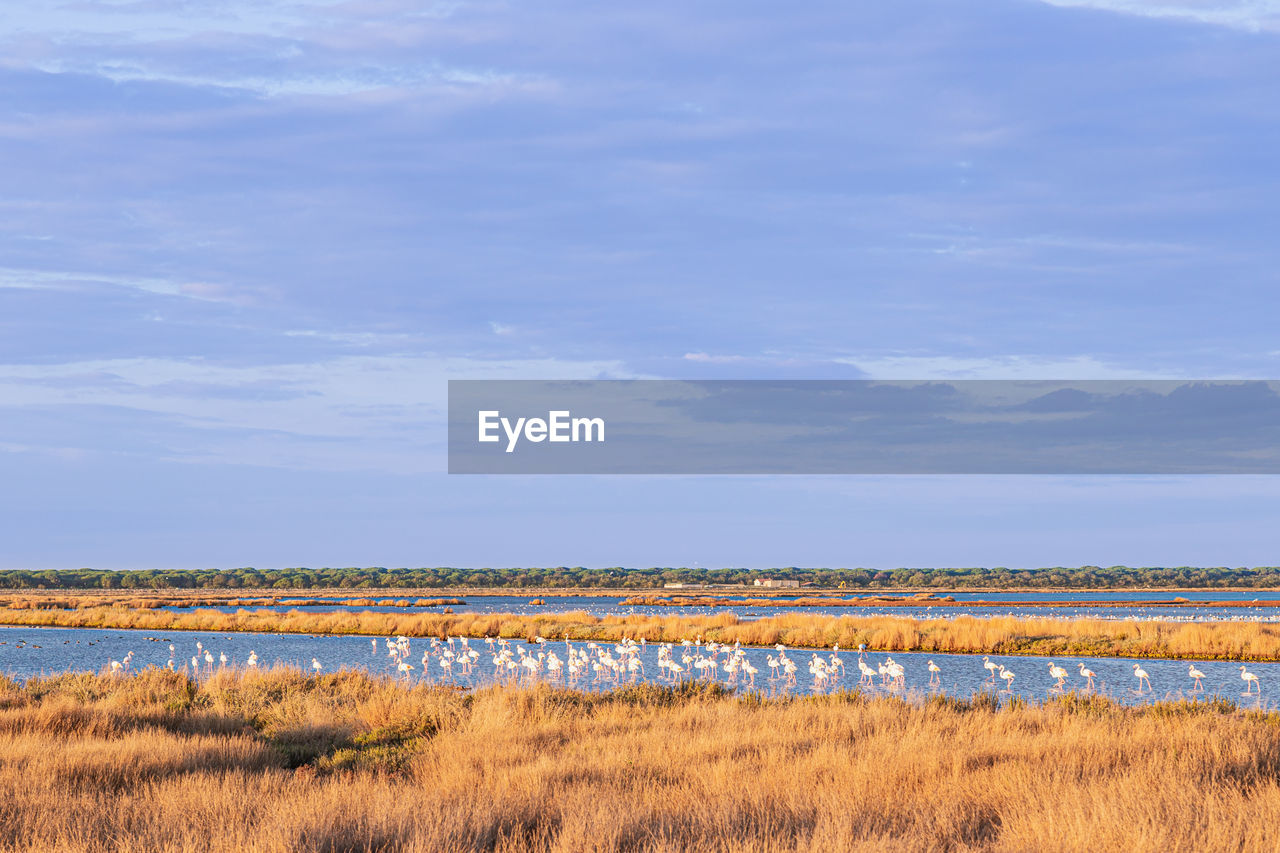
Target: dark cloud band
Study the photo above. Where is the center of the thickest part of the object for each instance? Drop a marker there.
(865, 427)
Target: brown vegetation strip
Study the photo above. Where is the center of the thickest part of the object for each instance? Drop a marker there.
(282, 761)
(60, 602)
(1000, 635)
(919, 600)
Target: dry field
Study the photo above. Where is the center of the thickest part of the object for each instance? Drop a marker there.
(282, 761)
(1242, 641)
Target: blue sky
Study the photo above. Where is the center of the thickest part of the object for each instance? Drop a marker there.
(243, 245)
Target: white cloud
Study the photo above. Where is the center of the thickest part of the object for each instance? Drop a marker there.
(305, 48)
(172, 19)
(1254, 15)
(27, 279)
(708, 358)
(317, 83)
(358, 412)
(1025, 367)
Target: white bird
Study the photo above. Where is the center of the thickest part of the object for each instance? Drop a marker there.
(1141, 674)
(1196, 675)
(1057, 672)
(1086, 674)
(1007, 675)
(897, 674)
(991, 667)
(1250, 680)
(934, 669)
(315, 664)
(868, 674)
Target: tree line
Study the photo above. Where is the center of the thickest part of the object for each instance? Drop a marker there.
(578, 577)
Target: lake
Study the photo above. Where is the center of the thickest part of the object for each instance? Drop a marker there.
(26, 652)
(1069, 605)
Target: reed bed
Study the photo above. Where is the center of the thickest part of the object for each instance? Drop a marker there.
(1243, 641)
(914, 600)
(280, 761)
(154, 602)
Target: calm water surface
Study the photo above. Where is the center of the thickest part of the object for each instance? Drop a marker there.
(25, 652)
(1073, 606)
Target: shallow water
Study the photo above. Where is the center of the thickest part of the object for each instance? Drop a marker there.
(1072, 608)
(25, 652)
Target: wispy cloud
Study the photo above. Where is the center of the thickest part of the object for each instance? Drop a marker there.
(30, 279)
(349, 81)
(386, 412)
(1254, 15)
(1028, 367)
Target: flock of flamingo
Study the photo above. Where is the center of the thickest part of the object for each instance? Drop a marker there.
(622, 662)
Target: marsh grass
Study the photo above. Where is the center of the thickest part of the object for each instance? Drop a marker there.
(156, 601)
(1244, 641)
(904, 600)
(281, 760)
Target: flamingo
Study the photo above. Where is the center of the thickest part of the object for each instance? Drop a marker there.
(934, 669)
(1086, 674)
(1196, 675)
(1250, 680)
(897, 675)
(868, 674)
(315, 664)
(991, 667)
(1007, 675)
(1141, 674)
(1057, 672)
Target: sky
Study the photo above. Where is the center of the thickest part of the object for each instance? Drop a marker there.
(244, 245)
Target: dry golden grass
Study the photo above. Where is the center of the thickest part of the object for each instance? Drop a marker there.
(157, 600)
(1000, 635)
(913, 600)
(281, 761)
